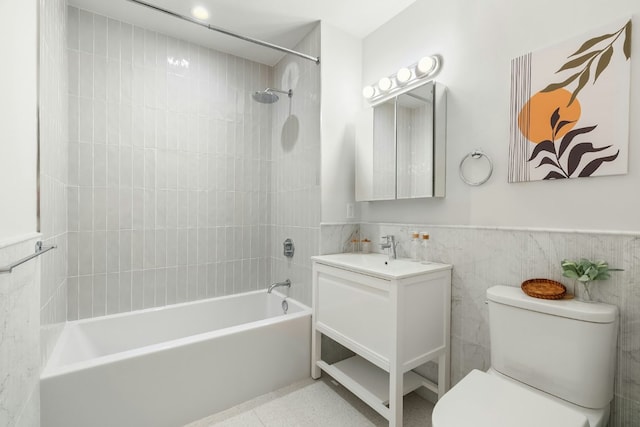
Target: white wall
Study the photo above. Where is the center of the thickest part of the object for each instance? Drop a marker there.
(477, 40)
(341, 59)
(18, 124)
(54, 170)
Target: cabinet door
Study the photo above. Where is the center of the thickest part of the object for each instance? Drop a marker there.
(414, 135)
(359, 313)
(376, 153)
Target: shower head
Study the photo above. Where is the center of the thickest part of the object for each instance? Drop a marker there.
(268, 96)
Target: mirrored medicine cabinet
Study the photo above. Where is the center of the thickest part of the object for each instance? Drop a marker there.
(400, 146)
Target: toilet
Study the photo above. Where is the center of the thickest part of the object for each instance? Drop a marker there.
(552, 365)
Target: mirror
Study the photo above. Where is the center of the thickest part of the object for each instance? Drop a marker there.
(400, 146)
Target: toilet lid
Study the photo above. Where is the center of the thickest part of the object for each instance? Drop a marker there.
(483, 400)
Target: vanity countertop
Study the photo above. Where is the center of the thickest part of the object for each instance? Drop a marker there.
(379, 265)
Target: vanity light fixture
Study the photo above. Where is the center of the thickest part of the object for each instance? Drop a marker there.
(200, 13)
(405, 79)
(384, 84)
(403, 75)
(425, 65)
(368, 92)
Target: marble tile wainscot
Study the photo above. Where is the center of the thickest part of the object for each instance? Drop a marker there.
(20, 335)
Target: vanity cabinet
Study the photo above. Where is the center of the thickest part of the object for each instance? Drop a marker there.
(395, 315)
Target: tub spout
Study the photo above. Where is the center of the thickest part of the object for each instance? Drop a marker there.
(286, 283)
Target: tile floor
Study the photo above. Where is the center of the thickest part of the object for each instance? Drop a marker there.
(310, 403)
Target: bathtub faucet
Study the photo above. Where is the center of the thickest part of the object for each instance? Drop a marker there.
(286, 283)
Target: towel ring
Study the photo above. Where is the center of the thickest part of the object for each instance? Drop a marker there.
(476, 154)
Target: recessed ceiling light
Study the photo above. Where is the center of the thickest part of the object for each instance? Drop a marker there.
(200, 12)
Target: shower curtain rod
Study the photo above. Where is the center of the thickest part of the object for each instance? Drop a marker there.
(227, 32)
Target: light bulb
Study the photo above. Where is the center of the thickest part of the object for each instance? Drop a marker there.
(384, 84)
(426, 65)
(200, 13)
(403, 75)
(368, 92)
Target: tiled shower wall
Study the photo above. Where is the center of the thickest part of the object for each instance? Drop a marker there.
(484, 257)
(168, 169)
(53, 169)
(295, 168)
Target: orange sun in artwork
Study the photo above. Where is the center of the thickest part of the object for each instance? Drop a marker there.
(534, 118)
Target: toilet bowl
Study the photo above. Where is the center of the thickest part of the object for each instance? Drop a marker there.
(553, 365)
(488, 399)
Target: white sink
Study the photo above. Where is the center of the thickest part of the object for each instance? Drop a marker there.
(380, 265)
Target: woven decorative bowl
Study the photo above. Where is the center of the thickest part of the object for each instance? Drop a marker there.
(544, 288)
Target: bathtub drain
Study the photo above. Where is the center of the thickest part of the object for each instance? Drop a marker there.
(285, 306)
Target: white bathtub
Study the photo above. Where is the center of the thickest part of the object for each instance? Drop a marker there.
(172, 365)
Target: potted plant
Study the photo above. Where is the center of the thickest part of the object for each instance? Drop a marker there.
(585, 271)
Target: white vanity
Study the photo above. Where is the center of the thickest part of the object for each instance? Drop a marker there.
(394, 314)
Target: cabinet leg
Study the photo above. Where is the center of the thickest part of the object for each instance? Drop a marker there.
(316, 340)
(444, 377)
(396, 395)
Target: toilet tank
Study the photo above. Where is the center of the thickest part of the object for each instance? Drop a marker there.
(566, 348)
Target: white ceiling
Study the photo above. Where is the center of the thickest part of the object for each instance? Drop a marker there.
(282, 22)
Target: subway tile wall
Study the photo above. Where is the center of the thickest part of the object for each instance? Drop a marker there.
(54, 139)
(295, 168)
(483, 257)
(169, 169)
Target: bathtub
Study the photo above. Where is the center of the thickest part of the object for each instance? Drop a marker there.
(172, 365)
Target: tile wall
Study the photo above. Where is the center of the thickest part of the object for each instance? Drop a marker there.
(20, 337)
(295, 168)
(168, 169)
(483, 257)
(54, 138)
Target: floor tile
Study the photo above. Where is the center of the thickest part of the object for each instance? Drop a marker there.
(309, 403)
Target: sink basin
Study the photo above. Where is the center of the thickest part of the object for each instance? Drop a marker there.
(379, 265)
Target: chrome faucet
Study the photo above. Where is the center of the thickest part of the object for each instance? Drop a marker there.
(286, 283)
(390, 243)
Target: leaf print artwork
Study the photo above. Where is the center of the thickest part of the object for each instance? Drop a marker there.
(604, 54)
(577, 126)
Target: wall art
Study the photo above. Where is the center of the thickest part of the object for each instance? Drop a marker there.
(570, 107)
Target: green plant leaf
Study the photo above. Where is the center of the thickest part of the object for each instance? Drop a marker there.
(570, 274)
(626, 47)
(590, 43)
(603, 62)
(585, 270)
(579, 61)
(555, 86)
